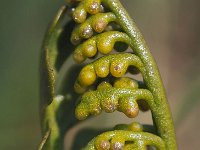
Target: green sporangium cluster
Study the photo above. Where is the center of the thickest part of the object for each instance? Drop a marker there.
(103, 27)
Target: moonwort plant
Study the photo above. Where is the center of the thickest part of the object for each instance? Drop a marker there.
(96, 35)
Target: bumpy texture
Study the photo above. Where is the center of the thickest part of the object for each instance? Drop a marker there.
(102, 26)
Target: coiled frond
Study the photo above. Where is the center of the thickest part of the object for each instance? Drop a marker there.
(102, 33)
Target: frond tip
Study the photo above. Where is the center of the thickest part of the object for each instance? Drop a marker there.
(102, 26)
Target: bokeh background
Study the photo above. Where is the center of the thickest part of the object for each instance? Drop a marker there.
(170, 27)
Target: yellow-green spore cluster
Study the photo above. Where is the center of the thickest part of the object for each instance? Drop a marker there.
(89, 6)
(126, 140)
(115, 64)
(109, 99)
(104, 43)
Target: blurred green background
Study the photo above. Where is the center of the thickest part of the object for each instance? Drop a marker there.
(170, 27)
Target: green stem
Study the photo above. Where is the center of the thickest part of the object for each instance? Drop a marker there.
(52, 102)
(44, 140)
(163, 119)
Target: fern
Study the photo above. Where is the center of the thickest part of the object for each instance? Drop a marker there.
(101, 26)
